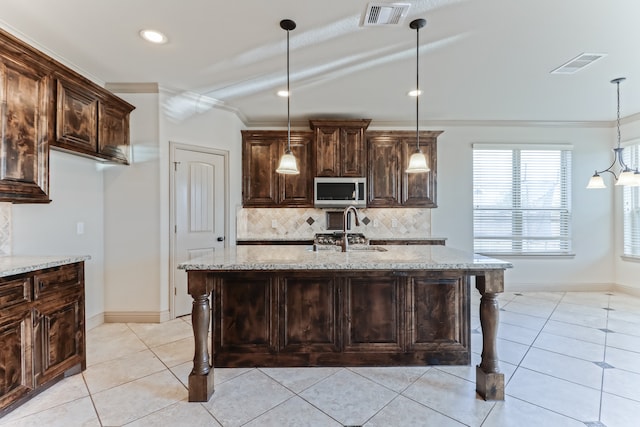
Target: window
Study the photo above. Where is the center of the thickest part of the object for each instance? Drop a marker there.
(521, 199)
(631, 206)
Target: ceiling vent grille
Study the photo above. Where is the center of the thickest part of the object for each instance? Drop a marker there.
(385, 14)
(578, 63)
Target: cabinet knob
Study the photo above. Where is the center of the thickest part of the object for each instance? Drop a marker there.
(220, 239)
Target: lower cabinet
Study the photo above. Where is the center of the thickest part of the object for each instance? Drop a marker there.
(340, 318)
(41, 330)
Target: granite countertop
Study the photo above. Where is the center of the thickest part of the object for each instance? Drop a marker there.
(362, 257)
(12, 265)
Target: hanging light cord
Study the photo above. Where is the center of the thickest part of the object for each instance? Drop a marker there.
(288, 101)
(417, 86)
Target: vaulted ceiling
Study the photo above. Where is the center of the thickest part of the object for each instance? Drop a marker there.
(480, 60)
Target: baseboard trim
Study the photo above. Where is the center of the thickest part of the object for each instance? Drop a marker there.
(94, 321)
(136, 316)
(561, 287)
(629, 290)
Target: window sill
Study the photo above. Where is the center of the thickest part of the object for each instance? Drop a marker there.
(532, 256)
(631, 258)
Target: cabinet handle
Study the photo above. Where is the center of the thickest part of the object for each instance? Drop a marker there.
(220, 239)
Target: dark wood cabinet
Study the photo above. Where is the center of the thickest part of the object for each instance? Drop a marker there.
(42, 331)
(388, 183)
(91, 122)
(262, 186)
(374, 314)
(113, 130)
(339, 147)
(26, 118)
(340, 318)
(45, 104)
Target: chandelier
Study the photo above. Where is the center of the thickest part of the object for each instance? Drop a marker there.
(627, 176)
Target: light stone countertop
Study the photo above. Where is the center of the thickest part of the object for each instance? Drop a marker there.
(12, 265)
(300, 257)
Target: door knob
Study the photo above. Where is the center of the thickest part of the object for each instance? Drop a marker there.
(220, 239)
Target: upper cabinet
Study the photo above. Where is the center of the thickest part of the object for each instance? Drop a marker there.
(90, 121)
(45, 104)
(388, 183)
(339, 147)
(262, 186)
(26, 114)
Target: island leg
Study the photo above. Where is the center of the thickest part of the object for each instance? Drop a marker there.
(489, 379)
(201, 376)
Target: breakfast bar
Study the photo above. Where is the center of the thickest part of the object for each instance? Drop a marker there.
(369, 306)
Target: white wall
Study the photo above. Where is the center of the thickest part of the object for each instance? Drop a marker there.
(76, 191)
(627, 271)
(592, 265)
(132, 222)
(137, 270)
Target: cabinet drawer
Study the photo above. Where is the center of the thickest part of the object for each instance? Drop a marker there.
(13, 292)
(64, 278)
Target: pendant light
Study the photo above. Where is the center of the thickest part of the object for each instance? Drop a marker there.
(627, 175)
(288, 164)
(417, 161)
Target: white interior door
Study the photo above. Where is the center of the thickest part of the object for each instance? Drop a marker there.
(199, 214)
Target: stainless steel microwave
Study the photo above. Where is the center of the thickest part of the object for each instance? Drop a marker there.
(331, 192)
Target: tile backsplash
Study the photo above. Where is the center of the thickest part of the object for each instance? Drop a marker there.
(5, 229)
(304, 223)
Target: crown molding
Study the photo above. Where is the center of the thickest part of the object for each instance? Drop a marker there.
(132, 87)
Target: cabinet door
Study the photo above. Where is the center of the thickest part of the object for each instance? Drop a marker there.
(16, 376)
(262, 186)
(327, 151)
(244, 320)
(297, 190)
(352, 155)
(384, 174)
(419, 189)
(59, 335)
(373, 312)
(25, 127)
(309, 315)
(113, 136)
(260, 152)
(438, 307)
(76, 118)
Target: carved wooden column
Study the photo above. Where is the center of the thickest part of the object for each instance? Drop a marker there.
(489, 379)
(199, 286)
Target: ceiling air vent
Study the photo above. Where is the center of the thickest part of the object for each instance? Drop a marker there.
(385, 14)
(578, 63)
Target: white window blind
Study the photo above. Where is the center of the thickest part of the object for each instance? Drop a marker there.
(631, 206)
(522, 199)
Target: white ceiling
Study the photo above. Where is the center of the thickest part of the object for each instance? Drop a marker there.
(479, 59)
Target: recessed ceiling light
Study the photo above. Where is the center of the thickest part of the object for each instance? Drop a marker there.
(153, 36)
(414, 92)
(283, 93)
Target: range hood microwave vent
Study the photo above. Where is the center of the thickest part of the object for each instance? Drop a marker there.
(385, 14)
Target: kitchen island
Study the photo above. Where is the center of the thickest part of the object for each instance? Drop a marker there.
(370, 306)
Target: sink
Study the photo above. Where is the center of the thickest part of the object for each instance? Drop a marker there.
(366, 248)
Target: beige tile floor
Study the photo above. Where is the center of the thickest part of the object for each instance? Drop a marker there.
(570, 359)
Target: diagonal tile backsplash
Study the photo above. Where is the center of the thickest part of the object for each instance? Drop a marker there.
(5, 229)
(304, 223)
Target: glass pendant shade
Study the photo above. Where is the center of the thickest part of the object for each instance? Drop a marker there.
(626, 178)
(288, 164)
(418, 163)
(596, 181)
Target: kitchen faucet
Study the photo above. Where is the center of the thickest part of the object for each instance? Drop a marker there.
(345, 215)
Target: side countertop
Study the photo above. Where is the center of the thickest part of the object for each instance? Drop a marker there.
(297, 257)
(12, 265)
